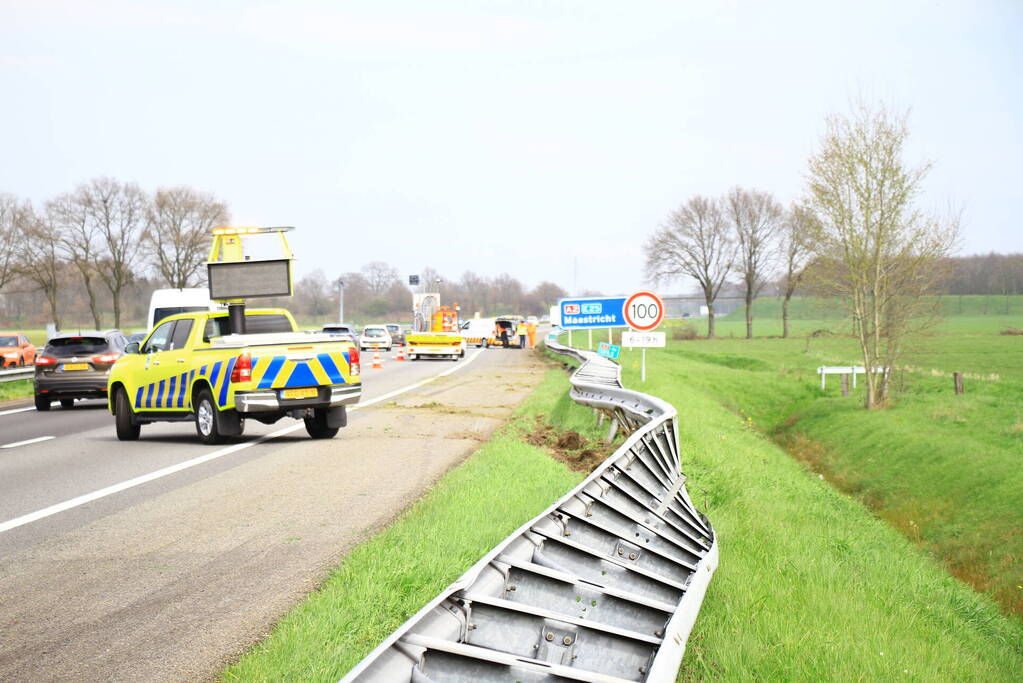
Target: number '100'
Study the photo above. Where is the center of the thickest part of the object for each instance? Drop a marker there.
(650, 310)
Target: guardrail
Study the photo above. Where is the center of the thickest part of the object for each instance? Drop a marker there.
(604, 585)
(19, 373)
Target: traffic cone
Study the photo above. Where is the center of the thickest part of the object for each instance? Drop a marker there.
(376, 360)
(401, 352)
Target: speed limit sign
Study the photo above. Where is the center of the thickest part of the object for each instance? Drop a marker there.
(644, 311)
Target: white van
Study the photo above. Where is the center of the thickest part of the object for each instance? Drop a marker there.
(477, 330)
(166, 302)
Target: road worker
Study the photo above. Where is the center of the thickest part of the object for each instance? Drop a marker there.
(531, 332)
(503, 334)
(521, 329)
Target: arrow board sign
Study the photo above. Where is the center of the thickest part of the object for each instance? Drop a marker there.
(643, 340)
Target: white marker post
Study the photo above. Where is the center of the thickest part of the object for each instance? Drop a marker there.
(643, 311)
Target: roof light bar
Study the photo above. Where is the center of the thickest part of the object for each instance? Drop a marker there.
(226, 230)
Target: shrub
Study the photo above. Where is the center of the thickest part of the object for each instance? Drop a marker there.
(685, 332)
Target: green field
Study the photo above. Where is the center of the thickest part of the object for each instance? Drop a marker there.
(943, 469)
(811, 585)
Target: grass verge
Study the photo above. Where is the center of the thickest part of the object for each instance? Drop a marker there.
(21, 388)
(388, 578)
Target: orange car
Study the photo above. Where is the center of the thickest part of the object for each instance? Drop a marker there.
(16, 349)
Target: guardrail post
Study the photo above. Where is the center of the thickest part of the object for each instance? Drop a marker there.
(612, 430)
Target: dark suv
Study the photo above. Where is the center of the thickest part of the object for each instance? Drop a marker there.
(76, 366)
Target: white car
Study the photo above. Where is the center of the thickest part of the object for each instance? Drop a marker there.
(375, 337)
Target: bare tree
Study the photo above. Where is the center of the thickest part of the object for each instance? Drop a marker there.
(118, 212)
(797, 230)
(78, 241)
(12, 218)
(880, 254)
(755, 217)
(177, 234)
(695, 243)
(42, 265)
(379, 276)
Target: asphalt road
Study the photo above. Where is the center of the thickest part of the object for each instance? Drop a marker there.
(51, 458)
(163, 558)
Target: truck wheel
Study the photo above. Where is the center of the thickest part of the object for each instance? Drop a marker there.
(127, 430)
(67, 403)
(317, 425)
(212, 425)
(42, 403)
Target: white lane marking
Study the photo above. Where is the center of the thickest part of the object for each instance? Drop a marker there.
(172, 469)
(16, 410)
(27, 441)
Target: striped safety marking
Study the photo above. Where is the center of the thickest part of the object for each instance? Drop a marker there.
(171, 392)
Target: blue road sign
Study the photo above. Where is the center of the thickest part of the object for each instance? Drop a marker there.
(592, 312)
(609, 350)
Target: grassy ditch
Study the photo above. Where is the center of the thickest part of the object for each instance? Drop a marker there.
(21, 388)
(388, 578)
(943, 469)
(811, 585)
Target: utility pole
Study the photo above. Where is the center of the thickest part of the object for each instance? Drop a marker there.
(341, 300)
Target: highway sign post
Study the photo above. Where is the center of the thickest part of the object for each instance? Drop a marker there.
(644, 311)
(589, 313)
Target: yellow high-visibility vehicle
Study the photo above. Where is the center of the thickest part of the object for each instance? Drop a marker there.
(219, 368)
(190, 368)
(442, 340)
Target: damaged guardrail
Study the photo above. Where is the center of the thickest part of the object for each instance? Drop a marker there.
(604, 585)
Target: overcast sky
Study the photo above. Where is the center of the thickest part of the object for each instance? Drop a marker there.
(517, 137)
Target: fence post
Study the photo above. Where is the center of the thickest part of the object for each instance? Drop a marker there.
(957, 377)
(845, 385)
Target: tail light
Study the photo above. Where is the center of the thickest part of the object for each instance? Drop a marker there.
(353, 361)
(45, 360)
(106, 358)
(242, 371)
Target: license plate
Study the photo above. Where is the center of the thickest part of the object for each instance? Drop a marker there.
(76, 366)
(311, 392)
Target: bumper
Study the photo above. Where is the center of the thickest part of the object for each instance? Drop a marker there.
(270, 401)
(434, 350)
(93, 387)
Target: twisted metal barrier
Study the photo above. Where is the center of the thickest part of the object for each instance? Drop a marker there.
(604, 585)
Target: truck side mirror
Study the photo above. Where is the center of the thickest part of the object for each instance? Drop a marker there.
(132, 347)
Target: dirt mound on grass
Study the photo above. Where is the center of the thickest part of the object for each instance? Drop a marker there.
(569, 446)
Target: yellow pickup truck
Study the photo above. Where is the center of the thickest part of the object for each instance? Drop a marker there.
(190, 368)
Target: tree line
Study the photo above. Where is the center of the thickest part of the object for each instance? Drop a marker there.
(98, 252)
(379, 292)
(103, 239)
(856, 234)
